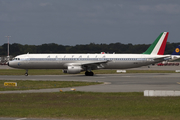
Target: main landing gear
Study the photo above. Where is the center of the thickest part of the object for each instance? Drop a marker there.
(26, 74)
(87, 73)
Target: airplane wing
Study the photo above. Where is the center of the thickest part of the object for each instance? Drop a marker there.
(99, 62)
(95, 65)
(175, 60)
(92, 65)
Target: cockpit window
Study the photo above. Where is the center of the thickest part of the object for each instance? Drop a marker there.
(16, 59)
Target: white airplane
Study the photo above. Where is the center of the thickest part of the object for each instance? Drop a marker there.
(76, 63)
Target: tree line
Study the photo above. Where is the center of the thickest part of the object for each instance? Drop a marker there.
(16, 48)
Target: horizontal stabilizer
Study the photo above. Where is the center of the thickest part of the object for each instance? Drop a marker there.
(163, 58)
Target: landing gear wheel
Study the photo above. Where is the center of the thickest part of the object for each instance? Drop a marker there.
(86, 73)
(26, 74)
(89, 73)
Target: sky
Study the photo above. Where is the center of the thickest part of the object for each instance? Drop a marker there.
(74, 22)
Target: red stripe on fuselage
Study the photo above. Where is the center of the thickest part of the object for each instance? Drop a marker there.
(162, 48)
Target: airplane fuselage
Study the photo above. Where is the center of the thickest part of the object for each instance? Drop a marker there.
(62, 61)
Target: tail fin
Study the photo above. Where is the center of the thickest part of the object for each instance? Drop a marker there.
(176, 51)
(158, 46)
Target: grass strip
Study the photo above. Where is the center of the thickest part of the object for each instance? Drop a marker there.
(89, 105)
(29, 84)
(59, 72)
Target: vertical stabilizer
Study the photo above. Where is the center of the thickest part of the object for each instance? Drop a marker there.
(158, 46)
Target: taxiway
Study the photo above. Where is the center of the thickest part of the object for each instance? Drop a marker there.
(112, 82)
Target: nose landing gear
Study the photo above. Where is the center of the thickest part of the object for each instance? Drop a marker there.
(26, 74)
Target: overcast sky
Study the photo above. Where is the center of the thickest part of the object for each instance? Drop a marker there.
(72, 22)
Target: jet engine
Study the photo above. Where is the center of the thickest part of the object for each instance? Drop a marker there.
(73, 69)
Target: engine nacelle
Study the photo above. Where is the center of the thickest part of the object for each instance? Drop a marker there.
(73, 69)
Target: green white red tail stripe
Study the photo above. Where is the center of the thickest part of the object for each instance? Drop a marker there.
(158, 46)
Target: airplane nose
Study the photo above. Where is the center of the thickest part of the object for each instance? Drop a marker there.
(13, 64)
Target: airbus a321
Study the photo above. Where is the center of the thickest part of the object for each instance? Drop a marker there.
(76, 63)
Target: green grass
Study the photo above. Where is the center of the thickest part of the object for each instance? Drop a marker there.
(29, 84)
(82, 105)
(59, 72)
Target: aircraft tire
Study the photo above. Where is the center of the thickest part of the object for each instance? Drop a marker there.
(89, 73)
(86, 73)
(26, 74)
